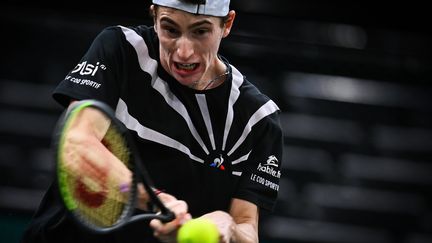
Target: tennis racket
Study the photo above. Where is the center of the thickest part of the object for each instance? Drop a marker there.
(99, 196)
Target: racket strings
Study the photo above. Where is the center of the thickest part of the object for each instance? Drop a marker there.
(115, 142)
(105, 215)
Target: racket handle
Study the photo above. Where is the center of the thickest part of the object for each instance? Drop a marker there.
(164, 217)
(167, 216)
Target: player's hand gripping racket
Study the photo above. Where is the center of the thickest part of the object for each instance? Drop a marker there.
(95, 183)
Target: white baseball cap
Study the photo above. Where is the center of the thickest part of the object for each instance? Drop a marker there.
(218, 8)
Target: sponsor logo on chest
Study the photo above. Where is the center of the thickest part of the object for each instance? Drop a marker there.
(85, 68)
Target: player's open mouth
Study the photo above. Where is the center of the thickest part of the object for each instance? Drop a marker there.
(186, 66)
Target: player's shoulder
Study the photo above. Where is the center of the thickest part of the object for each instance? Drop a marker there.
(250, 94)
(252, 103)
(109, 37)
(141, 30)
(120, 31)
(129, 38)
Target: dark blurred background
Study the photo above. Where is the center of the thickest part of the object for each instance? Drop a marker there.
(352, 78)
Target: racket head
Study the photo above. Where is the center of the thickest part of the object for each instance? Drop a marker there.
(96, 201)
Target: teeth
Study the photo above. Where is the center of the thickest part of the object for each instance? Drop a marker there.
(186, 66)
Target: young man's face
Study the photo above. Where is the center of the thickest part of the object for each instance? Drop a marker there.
(189, 45)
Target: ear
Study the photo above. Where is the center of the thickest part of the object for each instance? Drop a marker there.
(152, 12)
(229, 23)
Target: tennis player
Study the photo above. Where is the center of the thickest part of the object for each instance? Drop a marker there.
(208, 137)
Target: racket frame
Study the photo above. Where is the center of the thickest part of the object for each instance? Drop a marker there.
(139, 173)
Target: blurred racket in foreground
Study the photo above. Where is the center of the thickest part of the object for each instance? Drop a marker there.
(99, 184)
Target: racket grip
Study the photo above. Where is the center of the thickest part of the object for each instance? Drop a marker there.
(167, 216)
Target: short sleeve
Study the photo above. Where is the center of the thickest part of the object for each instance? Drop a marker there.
(98, 73)
(259, 182)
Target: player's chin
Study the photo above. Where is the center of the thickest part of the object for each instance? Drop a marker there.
(189, 80)
(188, 83)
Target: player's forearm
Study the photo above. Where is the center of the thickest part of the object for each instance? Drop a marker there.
(245, 216)
(245, 233)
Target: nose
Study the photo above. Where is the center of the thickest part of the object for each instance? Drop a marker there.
(184, 48)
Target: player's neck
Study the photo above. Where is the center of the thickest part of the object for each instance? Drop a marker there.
(219, 76)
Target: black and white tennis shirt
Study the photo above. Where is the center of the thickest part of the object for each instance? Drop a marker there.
(204, 147)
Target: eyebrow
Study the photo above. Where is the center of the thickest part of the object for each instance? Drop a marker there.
(199, 23)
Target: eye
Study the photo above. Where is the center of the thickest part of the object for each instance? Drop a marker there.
(171, 31)
(201, 31)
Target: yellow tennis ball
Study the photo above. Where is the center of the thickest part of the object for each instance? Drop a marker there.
(198, 230)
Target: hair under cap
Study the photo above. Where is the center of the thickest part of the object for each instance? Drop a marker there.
(219, 8)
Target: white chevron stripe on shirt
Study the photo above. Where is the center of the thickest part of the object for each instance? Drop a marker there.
(265, 110)
(202, 103)
(241, 159)
(149, 134)
(237, 80)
